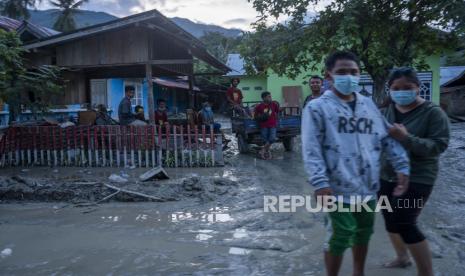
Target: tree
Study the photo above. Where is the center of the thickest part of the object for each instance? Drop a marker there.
(220, 45)
(384, 34)
(68, 8)
(32, 89)
(17, 9)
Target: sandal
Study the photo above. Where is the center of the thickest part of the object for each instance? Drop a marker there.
(396, 263)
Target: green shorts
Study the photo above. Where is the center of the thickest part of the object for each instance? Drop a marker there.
(346, 229)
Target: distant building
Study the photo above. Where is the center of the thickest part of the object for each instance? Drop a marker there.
(100, 60)
(292, 92)
(453, 95)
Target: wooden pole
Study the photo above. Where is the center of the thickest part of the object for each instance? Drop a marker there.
(192, 102)
(148, 74)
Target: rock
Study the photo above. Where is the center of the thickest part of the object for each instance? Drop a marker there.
(118, 179)
(155, 173)
(192, 184)
(224, 182)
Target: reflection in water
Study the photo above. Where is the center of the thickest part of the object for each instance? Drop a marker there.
(240, 233)
(111, 218)
(239, 251)
(203, 237)
(216, 214)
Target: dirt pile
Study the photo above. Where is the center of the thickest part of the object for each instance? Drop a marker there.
(22, 188)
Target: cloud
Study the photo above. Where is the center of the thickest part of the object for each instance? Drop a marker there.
(237, 21)
(218, 12)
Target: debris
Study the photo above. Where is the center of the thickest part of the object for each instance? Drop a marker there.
(67, 124)
(133, 193)
(155, 173)
(118, 179)
(24, 170)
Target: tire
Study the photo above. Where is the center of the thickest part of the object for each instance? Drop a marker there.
(288, 143)
(242, 144)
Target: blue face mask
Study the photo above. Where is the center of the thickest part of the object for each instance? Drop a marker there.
(208, 109)
(403, 97)
(346, 84)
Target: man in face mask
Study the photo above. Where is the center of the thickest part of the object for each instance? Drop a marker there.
(343, 135)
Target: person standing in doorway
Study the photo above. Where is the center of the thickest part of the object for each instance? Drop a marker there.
(267, 114)
(125, 114)
(315, 83)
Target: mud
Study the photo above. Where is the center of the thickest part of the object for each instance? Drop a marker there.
(81, 186)
(211, 223)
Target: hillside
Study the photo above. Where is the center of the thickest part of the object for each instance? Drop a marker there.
(85, 18)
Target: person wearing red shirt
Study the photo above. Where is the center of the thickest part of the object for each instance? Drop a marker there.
(267, 114)
(161, 117)
(234, 97)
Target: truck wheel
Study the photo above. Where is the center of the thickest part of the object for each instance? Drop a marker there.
(242, 144)
(288, 143)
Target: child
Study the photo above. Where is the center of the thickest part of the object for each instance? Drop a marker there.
(343, 135)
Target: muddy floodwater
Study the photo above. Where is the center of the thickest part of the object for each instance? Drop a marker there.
(211, 222)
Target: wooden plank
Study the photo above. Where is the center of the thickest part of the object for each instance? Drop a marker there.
(151, 102)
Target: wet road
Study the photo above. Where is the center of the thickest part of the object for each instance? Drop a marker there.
(231, 235)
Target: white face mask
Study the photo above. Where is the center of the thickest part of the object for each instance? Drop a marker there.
(346, 84)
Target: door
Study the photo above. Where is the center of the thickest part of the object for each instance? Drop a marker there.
(292, 96)
(98, 92)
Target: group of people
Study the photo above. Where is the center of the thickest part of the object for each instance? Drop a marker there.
(127, 117)
(352, 148)
(265, 113)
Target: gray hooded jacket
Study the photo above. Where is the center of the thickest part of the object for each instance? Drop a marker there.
(342, 147)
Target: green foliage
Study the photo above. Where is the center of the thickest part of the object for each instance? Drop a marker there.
(455, 59)
(32, 89)
(17, 9)
(219, 46)
(384, 34)
(65, 21)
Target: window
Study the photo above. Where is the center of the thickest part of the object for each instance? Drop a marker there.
(426, 79)
(246, 88)
(258, 88)
(138, 96)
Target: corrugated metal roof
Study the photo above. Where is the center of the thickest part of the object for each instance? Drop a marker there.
(9, 24)
(173, 83)
(37, 30)
(236, 63)
(153, 18)
(450, 72)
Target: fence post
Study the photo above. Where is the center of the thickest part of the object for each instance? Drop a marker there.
(182, 146)
(189, 144)
(175, 147)
(160, 152)
(212, 146)
(153, 131)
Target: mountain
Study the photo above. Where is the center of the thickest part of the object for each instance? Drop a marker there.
(199, 29)
(85, 18)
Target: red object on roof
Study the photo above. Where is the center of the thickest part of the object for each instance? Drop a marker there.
(173, 84)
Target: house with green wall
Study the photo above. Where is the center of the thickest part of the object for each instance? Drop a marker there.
(292, 92)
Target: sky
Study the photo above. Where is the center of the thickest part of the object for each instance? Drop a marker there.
(225, 13)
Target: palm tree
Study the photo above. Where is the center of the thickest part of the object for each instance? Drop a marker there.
(17, 9)
(65, 21)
